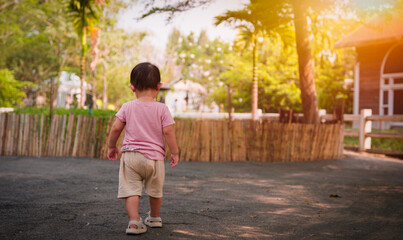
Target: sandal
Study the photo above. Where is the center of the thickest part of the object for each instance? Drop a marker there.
(153, 221)
(141, 228)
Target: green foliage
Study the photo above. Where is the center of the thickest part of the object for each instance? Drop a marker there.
(215, 65)
(64, 111)
(36, 41)
(84, 13)
(332, 66)
(11, 90)
(119, 51)
(202, 60)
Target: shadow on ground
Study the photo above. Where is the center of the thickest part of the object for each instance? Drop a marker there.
(358, 197)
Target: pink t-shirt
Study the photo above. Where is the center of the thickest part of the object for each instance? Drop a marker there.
(143, 130)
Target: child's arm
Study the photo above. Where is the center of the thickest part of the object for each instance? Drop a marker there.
(169, 134)
(117, 128)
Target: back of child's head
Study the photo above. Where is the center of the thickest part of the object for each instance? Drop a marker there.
(145, 76)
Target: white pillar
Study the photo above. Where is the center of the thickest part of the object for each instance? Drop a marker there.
(365, 127)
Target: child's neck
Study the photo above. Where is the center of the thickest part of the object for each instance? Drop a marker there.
(148, 95)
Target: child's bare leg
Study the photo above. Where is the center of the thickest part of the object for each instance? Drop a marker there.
(155, 205)
(132, 208)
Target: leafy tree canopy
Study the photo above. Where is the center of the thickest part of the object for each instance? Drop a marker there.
(11, 90)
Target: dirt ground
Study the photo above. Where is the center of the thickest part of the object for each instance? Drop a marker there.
(358, 197)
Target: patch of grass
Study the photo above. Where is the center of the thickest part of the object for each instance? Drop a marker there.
(379, 143)
(63, 111)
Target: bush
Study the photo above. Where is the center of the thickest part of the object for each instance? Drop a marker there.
(63, 111)
(11, 90)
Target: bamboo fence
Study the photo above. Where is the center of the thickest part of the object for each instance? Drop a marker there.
(66, 135)
(198, 140)
(246, 140)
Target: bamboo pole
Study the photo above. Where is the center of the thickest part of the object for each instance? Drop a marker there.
(90, 137)
(265, 135)
(3, 119)
(102, 126)
(10, 138)
(35, 136)
(234, 140)
(69, 132)
(97, 136)
(41, 127)
(7, 134)
(83, 138)
(341, 141)
(93, 137)
(52, 137)
(62, 136)
(226, 154)
(20, 135)
(76, 136)
(204, 141)
(190, 143)
(25, 143)
(104, 148)
(214, 141)
(14, 134)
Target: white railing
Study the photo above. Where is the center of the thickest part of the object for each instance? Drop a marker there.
(365, 120)
(207, 115)
(5, 109)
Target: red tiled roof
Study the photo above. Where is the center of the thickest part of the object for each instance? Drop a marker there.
(376, 31)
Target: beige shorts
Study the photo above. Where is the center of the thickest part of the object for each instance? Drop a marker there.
(134, 168)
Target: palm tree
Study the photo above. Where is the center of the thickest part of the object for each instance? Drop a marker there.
(85, 15)
(305, 63)
(95, 37)
(250, 30)
(272, 14)
(275, 13)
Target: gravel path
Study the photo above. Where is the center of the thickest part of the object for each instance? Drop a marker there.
(358, 197)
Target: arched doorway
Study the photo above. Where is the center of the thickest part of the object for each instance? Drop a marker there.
(391, 83)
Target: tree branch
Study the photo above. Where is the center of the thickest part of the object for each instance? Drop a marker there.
(171, 9)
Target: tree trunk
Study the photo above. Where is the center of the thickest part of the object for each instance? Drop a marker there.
(95, 34)
(51, 100)
(105, 92)
(82, 63)
(82, 78)
(254, 81)
(229, 105)
(94, 98)
(305, 62)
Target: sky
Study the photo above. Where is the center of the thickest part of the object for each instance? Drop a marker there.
(193, 20)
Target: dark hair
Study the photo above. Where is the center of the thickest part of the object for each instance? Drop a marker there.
(145, 76)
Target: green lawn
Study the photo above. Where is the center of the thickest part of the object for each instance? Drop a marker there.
(378, 143)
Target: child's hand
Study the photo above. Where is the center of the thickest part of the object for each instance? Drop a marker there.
(174, 160)
(113, 153)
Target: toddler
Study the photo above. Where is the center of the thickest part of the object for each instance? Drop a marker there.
(146, 122)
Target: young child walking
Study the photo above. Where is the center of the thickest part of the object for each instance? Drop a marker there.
(146, 122)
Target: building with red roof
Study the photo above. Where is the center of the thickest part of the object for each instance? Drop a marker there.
(378, 81)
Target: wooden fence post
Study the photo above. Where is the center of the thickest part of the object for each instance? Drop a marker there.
(365, 127)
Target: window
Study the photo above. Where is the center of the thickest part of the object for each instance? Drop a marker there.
(398, 80)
